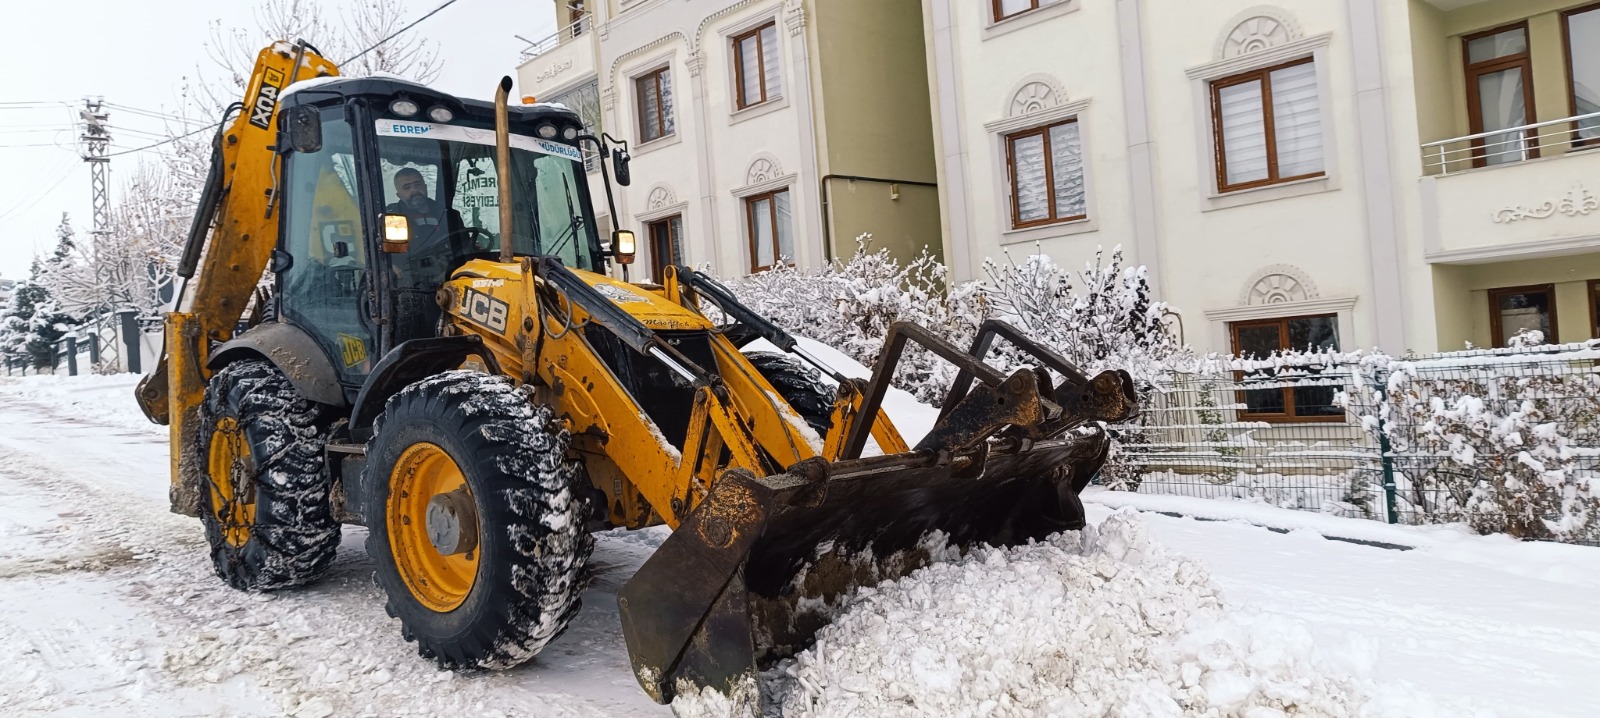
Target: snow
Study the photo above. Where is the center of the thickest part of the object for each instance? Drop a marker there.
(912, 418)
(112, 609)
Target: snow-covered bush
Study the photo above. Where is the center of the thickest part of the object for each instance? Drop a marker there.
(1506, 443)
(1102, 318)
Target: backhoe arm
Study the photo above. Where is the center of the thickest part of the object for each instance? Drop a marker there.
(231, 239)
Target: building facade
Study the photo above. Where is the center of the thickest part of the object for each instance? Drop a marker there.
(760, 130)
(1409, 175)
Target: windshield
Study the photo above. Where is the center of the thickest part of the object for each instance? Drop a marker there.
(444, 178)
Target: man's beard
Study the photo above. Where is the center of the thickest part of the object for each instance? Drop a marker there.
(419, 202)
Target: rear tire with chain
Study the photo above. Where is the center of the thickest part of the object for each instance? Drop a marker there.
(800, 385)
(475, 523)
(264, 493)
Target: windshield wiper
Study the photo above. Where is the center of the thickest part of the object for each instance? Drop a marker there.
(572, 226)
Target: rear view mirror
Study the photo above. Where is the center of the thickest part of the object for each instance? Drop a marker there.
(619, 166)
(396, 233)
(305, 129)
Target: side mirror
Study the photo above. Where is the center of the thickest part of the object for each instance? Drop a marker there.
(619, 167)
(281, 261)
(396, 233)
(622, 244)
(305, 128)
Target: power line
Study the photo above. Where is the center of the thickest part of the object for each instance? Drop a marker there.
(396, 33)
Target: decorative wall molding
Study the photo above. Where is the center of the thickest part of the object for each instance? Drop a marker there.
(1035, 93)
(661, 196)
(700, 32)
(1292, 50)
(616, 64)
(795, 17)
(695, 63)
(763, 169)
(1059, 112)
(1278, 284)
(652, 215)
(1256, 29)
(608, 98)
(1577, 201)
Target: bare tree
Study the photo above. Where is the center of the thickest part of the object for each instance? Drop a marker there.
(368, 23)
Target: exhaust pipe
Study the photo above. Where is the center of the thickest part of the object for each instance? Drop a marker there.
(502, 164)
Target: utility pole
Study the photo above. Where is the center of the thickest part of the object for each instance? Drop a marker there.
(96, 138)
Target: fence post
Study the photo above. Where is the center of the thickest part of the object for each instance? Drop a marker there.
(130, 340)
(72, 355)
(1381, 381)
(94, 350)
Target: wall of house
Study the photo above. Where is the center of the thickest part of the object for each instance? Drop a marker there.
(872, 93)
(1464, 296)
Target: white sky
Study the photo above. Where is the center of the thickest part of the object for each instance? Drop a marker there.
(136, 55)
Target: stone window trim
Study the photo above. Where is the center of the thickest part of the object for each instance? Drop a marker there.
(656, 215)
(644, 68)
(1046, 11)
(1000, 131)
(747, 208)
(1200, 78)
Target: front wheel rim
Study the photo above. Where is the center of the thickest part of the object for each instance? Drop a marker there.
(440, 582)
(231, 468)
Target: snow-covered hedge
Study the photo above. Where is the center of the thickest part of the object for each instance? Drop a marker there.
(1100, 317)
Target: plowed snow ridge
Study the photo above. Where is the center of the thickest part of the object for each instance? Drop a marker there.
(1092, 623)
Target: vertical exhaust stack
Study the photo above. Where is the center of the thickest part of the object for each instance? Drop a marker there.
(502, 164)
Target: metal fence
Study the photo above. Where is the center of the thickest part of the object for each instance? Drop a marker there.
(1502, 440)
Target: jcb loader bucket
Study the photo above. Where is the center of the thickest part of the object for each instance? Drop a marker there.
(753, 572)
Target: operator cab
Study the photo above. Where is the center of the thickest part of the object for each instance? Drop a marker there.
(369, 161)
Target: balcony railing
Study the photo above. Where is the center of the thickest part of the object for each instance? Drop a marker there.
(560, 37)
(1512, 144)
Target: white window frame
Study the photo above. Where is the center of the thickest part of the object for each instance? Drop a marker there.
(999, 130)
(1201, 77)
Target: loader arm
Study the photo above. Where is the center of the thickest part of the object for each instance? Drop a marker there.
(229, 244)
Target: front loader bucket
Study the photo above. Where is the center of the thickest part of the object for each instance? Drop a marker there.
(751, 574)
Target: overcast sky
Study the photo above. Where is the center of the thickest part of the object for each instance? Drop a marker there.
(135, 54)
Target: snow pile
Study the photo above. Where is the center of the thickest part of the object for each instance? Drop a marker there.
(1098, 622)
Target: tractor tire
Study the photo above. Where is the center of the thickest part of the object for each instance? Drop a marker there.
(475, 522)
(260, 439)
(800, 385)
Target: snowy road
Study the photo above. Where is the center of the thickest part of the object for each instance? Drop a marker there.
(112, 609)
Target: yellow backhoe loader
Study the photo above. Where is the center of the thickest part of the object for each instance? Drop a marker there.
(443, 358)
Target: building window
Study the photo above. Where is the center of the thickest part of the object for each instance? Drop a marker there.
(755, 65)
(1513, 309)
(1500, 94)
(1045, 166)
(655, 105)
(1268, 126)
(767, 222)
(1007, 9)
(1259, 339)
(585, 100)
(1581, 32)
(666, 244)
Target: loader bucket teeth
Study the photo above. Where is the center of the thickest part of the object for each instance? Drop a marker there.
(757, 568)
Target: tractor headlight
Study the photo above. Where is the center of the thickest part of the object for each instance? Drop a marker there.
(440, 114)
(404, 108)
(569, 134)
(547, 131)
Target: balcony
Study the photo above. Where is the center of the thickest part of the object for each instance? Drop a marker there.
(557, 62)
(1514, 193)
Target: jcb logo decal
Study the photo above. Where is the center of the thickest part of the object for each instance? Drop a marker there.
(353, 349)
(266, 98)
(484, 309)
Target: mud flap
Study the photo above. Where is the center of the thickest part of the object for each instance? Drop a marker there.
(758, 568)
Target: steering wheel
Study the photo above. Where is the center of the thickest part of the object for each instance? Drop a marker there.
(478, 239)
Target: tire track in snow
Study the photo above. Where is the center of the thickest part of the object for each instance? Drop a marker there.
(323, 650)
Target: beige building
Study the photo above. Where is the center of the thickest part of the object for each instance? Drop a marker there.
(759, 129)
(1407, 174)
